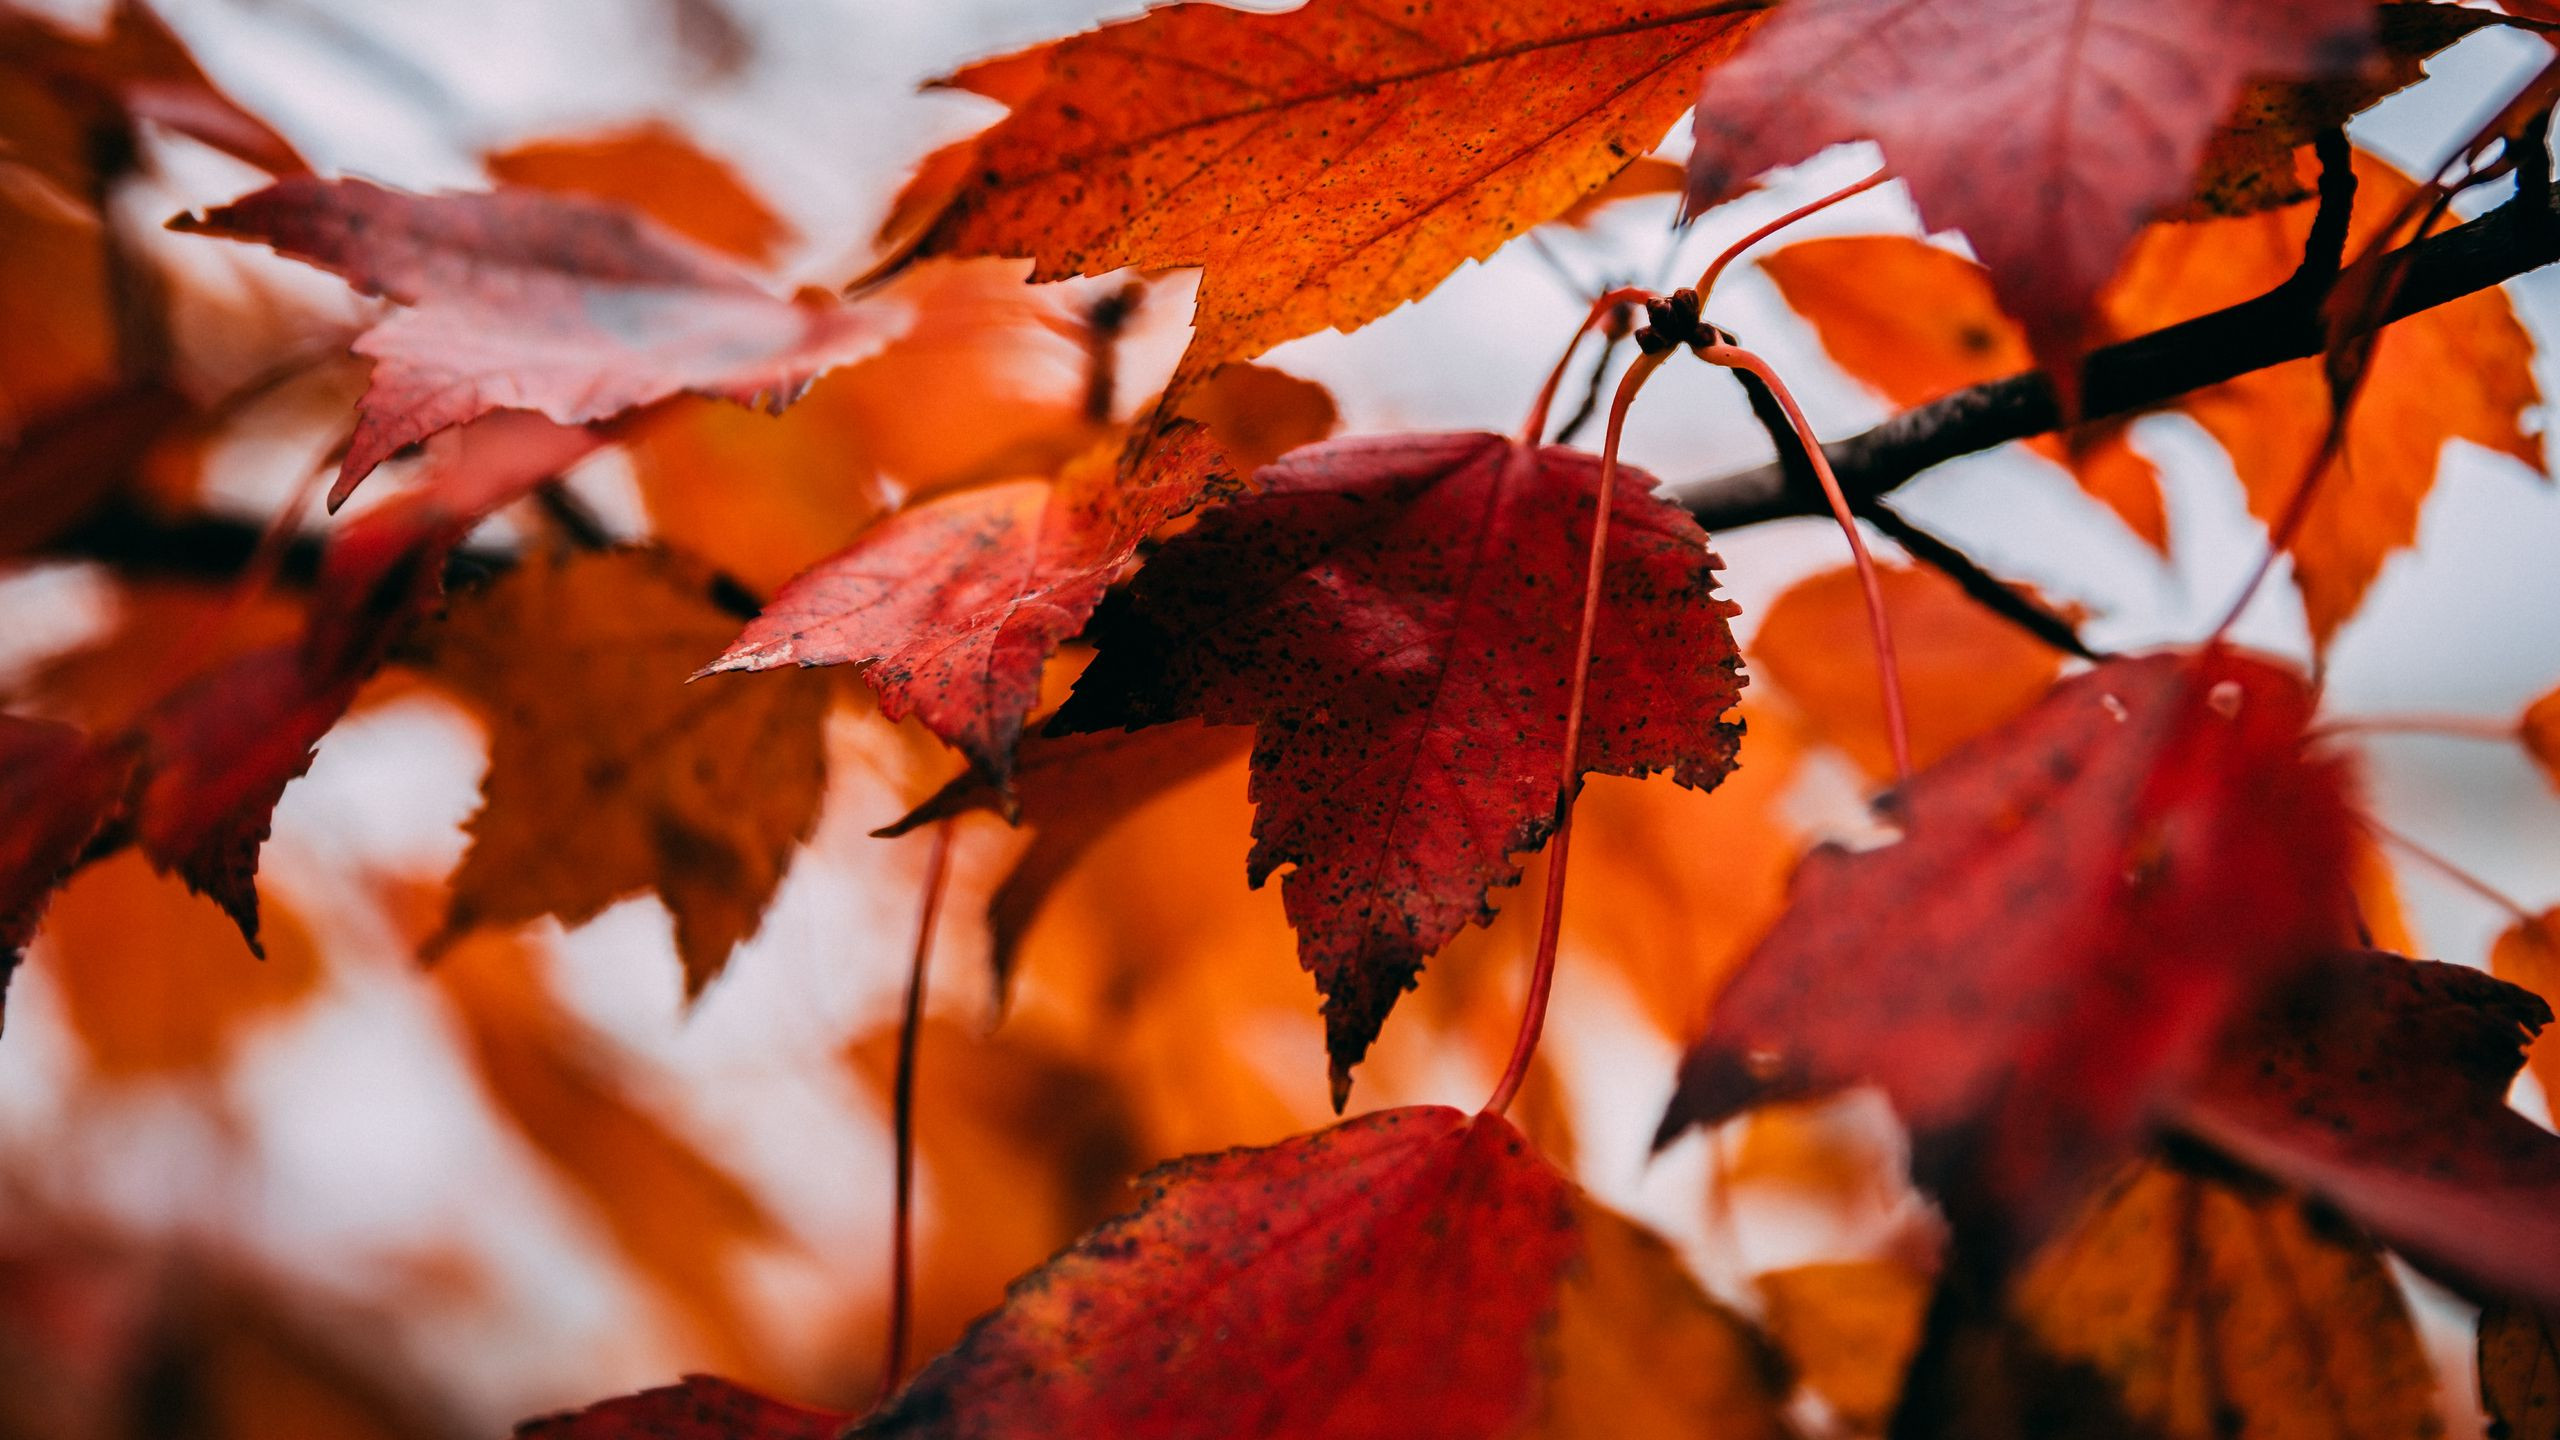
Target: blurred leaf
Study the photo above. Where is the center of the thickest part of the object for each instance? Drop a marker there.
(1965, 671)
(657, 171)
(1850, 1327)
(609, 774)
(156, 981)
(674, 1215)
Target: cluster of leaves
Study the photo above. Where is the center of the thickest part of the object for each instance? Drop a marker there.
(2124, 970)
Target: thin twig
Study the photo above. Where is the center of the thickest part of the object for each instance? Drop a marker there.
(1984, 588)
(1612, 331)
(2448, 869)
(2463, 727)
(937, 870)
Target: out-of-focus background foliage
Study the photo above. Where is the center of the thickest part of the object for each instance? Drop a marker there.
(339, 1193)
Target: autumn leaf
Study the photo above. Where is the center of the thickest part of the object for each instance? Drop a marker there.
(155, 981)
(1850, 1327)
(2380, 1085)
(607, 773)
(987, 384)
(135, 66)
(698, 1407)
(2189, 1306)
(1388, 1276)
(221, 749)
(2048, 134)
(1396, 615)
(1964, 671)
(1672, 928)
(518, 299)
(1646, 175)
(657, 171)
(65, 468)
(2079, 902)
(58, 336)
(2460, 371)
(103, 684)
(1068, 790)
(1151, 961)
(678, 1218)
(1323, 166)
(950, 609)
(1638, 1350)
(1917, 322)
(2541, 731)
(60, 788)
(1259, 414)
(2527, 954)
(2252, 163)
(2519, 1372)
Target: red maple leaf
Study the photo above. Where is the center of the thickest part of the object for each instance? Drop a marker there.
(2047, 132)
(222, 748)
(698, 1407)
(2381, 1084)
(1397, 616)
(950, 608)
(1383, 1278)
(527, 300)
(2079, 902)
(59, 788)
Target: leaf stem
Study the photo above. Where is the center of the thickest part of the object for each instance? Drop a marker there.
(2449, 870)
(1888, 671)
(1534, 430)
(1533, 1015)
(2466, 727)
(937, 872)
(1707, 281)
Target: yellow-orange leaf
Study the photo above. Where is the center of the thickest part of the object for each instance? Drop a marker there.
(674, 1215)
(1260, 414)
(1326, 165)
(2461, 371)
(2528, 954)
(2541, 729)
(1152, 960)
(2210, 1310)
(987, 385)
(608, 774)
(1645, 175)
(1917, 322)
(57, 322)
(2519, 1372)
(2378, 907)
(658, 172)
(156, 980)
(1637, 1350)
(1964, 669)
(1850, 1327)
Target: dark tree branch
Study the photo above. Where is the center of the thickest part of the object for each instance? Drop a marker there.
(2137, 375)
(1986, 589)
(215, 549)
(2326, 247)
